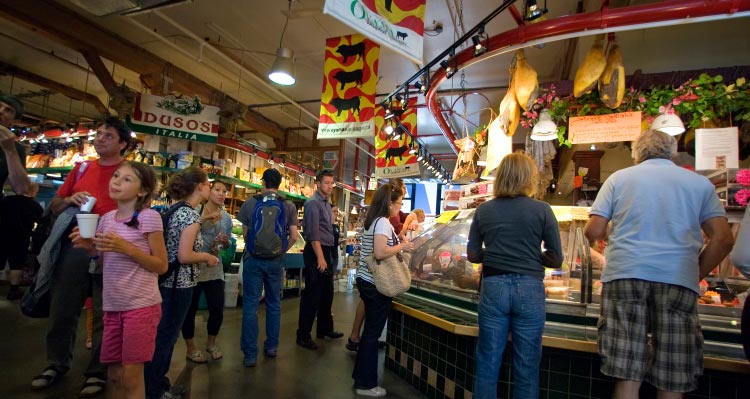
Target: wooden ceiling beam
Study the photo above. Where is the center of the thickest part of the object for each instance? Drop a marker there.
(100, 70)
(53, 20)
(52, 85)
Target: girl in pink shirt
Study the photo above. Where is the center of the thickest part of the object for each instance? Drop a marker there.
(131, 244)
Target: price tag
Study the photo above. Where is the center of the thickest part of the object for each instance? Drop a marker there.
(446, 217)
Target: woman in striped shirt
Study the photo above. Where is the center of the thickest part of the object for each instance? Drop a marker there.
(379, 239)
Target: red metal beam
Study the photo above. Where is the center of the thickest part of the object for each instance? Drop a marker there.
(571, 24)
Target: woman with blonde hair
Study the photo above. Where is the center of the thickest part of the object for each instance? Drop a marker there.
(505, 236)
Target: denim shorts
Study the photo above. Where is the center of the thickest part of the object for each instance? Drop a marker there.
(650, 331)
(130, 336)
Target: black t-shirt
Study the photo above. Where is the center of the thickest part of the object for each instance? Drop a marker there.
(21, 149)
(18, 214)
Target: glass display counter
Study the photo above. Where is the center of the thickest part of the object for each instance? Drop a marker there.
(432, 329)
(446, 284)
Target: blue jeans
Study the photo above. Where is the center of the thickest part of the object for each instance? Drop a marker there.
(377, 308)
(258, 274)
(510, 303)
(174, 307)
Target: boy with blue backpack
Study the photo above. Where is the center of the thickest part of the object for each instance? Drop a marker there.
(269, 224)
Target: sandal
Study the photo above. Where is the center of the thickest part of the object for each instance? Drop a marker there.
(197, 357)
(214, 352)
(49, 376)
(92, 387)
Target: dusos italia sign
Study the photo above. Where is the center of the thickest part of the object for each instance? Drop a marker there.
(177, 117)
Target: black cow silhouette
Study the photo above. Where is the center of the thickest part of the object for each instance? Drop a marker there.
(344, 77)
(388, 4)
(401, 35)
(347, 51)
(395, 152)
(343, 104)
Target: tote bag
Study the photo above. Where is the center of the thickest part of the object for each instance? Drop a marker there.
(392, 275)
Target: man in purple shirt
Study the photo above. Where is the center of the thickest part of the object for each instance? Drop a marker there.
(317, 296)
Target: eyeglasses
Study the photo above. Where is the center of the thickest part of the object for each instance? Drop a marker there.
(397, 202)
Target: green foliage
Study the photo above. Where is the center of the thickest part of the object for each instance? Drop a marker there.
(697, 101)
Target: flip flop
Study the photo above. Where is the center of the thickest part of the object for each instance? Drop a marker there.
(197, 357)
(214, 352)
(92, 387)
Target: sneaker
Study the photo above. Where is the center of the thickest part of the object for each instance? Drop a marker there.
(270, 352)
(373, 392)
(332, 335)
(307, 343)
(250, 362)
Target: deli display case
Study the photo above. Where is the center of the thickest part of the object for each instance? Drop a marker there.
(442, 303)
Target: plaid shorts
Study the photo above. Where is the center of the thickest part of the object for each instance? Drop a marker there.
(650, 331)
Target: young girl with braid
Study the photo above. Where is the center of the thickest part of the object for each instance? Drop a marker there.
(130, 245)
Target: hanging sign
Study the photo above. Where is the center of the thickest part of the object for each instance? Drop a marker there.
(396, 24)
(393, 157)
(178, 117)
(330, 159)
(717, 148)
(347, 105)
(621, 126)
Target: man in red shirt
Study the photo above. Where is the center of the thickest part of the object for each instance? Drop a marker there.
(72, 280)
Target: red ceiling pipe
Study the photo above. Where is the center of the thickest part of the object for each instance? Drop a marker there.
(604, 18)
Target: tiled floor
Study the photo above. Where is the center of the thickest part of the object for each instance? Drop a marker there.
(296, 373)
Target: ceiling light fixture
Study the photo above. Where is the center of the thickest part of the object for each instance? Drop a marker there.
(545, 129)
(670, 124)
(449, 70)
(282, 70)
(477, 39)
(532, 10)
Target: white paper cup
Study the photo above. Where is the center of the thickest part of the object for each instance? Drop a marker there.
(87, 224)
(89, 204)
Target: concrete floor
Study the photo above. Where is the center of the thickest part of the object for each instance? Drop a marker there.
(295, 373)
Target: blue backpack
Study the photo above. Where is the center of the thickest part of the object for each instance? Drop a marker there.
(268, 236)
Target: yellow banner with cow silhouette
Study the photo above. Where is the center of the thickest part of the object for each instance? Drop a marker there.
(393, 152)
(350, 76)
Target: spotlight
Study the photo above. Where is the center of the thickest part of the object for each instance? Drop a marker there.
(532, 10)
(413, 151)
(420, 157)
(388, 130)
(593, 147)
(479, 48)
(449, 70)
(388, 113)
(420, 87)
(397, 134)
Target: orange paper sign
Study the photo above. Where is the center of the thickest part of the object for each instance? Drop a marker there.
(622, 126)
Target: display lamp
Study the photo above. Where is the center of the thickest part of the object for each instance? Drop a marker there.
(670, 124)
(545, 129)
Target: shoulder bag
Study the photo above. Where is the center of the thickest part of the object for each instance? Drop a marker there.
(392, 275)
